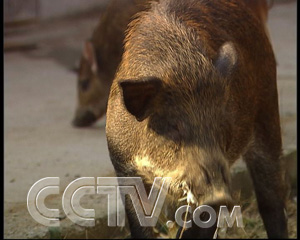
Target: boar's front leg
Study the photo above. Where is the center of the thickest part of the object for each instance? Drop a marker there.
(268, 175)
(137, 231)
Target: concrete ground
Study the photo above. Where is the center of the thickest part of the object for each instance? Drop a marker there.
(40, 99)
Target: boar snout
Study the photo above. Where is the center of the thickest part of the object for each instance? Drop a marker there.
(218, 197)
(84, 118)
(217, 191)
(207, 181)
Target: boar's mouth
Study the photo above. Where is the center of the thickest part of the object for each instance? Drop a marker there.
(215, 199)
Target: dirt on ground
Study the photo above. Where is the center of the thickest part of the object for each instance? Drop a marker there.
(253, 226)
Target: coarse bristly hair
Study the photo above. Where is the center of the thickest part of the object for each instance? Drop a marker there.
(196, 90)
(181, 43)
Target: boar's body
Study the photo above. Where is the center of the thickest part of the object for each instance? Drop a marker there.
(195, 90)
(259, 8)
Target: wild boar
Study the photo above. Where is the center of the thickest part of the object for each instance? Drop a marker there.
(196, 89)
(100, 58)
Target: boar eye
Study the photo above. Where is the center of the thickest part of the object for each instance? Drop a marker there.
(84, 84)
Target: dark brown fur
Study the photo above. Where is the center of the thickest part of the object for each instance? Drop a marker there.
(196, 89)
(260, 8)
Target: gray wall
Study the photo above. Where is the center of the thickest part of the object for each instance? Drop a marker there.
(57, 8)
(18, 10)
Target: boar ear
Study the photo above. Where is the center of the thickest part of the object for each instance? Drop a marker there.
(90, 55)
(139, 95)
(226, 59)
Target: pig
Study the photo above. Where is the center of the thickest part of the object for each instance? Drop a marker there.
(100, 58)
(196, 90)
